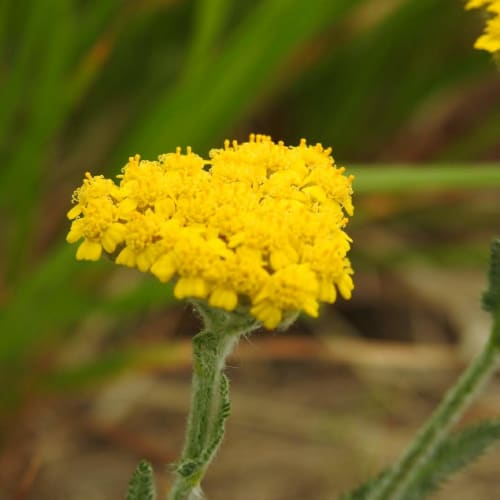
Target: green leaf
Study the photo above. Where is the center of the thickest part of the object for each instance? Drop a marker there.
(141, 486)
(47, 64)
(454, 454)
(209, 21)
(219, 424)
(200, 108)
(365, 87)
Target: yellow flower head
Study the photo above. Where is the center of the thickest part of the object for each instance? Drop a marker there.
(490, 39)
(259, 225)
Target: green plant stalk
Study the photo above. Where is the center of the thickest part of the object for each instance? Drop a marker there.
(393, 486)
(401, 178)
(210, 397)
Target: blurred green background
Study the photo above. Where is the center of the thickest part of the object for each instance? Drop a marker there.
(394, 86)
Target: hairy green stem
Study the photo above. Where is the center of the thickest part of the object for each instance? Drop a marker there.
(210, 404)
(394, 485)
(210, 350)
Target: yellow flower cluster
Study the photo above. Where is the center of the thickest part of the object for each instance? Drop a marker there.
(259, 225)
(490, 39)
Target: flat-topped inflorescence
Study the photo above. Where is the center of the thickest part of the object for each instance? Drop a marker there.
(259, 225)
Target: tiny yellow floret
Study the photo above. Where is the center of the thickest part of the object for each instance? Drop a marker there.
(258, 226)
